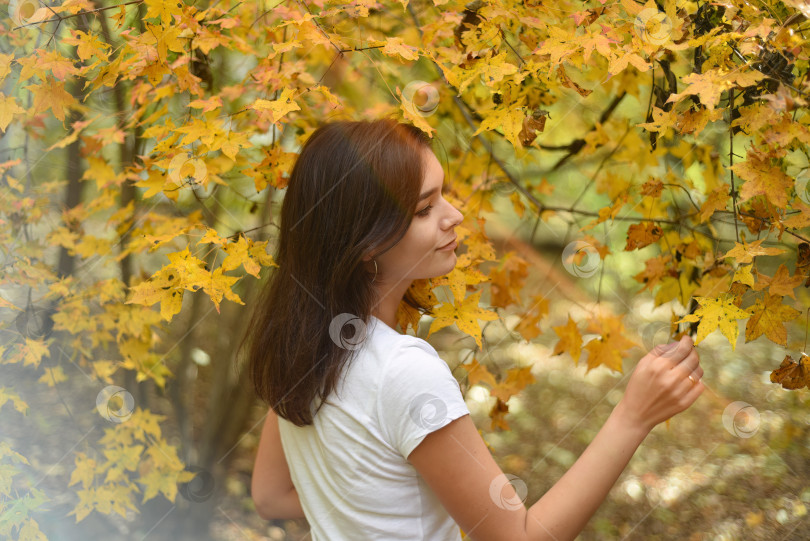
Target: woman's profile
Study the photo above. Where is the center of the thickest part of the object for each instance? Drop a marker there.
(367, 435)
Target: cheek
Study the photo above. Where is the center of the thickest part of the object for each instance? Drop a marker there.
(424, 238)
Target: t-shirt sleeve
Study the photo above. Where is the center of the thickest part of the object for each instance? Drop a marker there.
(417, 395)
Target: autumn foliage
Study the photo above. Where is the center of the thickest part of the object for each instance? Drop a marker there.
(148, 144)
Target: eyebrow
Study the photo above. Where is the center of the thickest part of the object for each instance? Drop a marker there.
(427, 194)
(432, 190)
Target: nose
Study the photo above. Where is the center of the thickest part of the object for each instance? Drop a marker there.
(455, 218)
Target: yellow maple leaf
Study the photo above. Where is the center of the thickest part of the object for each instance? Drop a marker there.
(717, 200)
(745, 253)
(164, 10)
(211, 104)
(5, 65)
(422, 291)
(276, 109)
(478, 373)
(52, 95)
(516, 380)
(510, 119)
(52, 376)
(465, 315)
(559, 45)
(8, 108)
(88, 45)
(396, 47)
(708, 86)
(154, 288)
(608, 349)
(459, 278)
(716, 313)
(221, 285)
(781, 283)
(529, 324)
(84, 472)
(768, 316)
(239, 254)
(508, 281)
(19, 404)
(763, 178)
(743, 275)
(570, 340)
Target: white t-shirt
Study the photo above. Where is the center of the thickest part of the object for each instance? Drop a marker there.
(350, 467)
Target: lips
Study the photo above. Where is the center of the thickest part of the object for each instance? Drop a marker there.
(449, 243)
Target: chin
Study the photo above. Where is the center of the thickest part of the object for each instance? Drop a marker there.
(449, 267)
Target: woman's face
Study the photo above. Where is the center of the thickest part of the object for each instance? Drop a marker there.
(419, 253)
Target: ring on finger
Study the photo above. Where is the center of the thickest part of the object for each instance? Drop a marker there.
(692, 379)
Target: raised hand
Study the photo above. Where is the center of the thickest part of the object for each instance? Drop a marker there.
(665, 382)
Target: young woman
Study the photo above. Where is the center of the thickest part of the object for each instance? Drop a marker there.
(367, 434)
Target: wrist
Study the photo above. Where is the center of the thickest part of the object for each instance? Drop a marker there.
(627, 420)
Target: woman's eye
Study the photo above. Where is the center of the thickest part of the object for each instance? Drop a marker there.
(424, 211)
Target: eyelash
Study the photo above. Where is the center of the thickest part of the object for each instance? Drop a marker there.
(425, 211)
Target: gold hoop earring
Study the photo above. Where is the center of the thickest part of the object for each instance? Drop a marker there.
(375, 271)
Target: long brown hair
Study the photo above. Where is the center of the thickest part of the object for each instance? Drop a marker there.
(353, 191)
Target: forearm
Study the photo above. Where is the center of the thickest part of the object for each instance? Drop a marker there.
(563, 511)
(287, 506)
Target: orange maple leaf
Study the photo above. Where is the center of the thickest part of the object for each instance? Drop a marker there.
(768, 316)
(570, 340)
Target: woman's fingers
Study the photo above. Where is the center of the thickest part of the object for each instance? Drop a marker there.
(676, 352)
(689, 364)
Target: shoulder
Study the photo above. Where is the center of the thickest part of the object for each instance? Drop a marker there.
(383, 336)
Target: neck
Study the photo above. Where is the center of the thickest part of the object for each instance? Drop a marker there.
(388, 300)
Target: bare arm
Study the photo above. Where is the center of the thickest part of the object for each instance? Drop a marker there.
(565, 509)
(456, 463)
(271, 486)
(286, 506)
